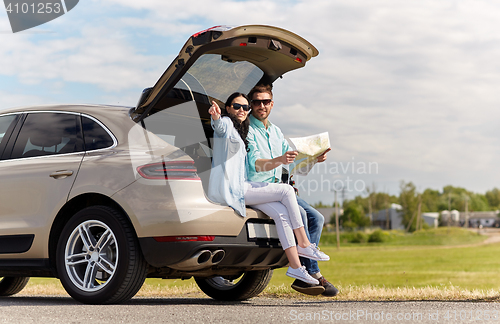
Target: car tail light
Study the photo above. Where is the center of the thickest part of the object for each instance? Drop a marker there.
(243, 44)
(171, 170)
(205, 238)
(204, 31)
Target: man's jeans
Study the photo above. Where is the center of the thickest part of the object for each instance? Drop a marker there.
(313, 224)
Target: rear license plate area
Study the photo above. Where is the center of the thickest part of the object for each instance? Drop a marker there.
(261, 231)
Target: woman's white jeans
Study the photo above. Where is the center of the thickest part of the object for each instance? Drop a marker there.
(279, 202)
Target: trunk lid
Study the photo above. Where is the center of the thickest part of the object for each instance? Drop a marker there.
(220, 60)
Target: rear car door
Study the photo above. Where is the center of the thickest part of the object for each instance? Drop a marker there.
(37, 170)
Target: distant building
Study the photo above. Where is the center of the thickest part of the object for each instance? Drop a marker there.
(432, 219)
(452, 217)
(390, 218)
(329, 213)
(394, 215)
(484, 218)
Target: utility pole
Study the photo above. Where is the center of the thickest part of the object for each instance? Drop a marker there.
(411, 221)
(419, 215)
(449, 207)
(466, 224)
(337, 231)
(387, 211)
(449, 211)
(370, 212)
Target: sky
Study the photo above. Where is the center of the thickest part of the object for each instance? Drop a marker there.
(407, 90)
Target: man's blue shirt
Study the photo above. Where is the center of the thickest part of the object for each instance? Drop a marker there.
(265, 144)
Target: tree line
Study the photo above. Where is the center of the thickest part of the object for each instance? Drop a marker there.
(430, 200)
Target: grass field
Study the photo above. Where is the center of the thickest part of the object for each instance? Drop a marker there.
(437, 264)
(442, 236)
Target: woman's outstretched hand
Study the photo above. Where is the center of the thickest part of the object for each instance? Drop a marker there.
(214, 111)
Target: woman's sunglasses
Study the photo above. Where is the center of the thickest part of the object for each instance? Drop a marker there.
(237, 106)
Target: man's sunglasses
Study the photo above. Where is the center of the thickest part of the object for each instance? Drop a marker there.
(237, 106)
(257, 102)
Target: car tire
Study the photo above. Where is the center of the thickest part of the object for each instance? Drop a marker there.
(99, 260)
(249, 285)
(12, 285)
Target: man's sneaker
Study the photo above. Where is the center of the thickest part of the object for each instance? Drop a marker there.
(312, 252)
(308, 289)
(330, 289)
(301, 274)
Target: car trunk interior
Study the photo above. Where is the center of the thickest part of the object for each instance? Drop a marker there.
(176, 108)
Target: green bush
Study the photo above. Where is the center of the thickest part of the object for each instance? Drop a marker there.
(349, 226)
(354, 217)
(345, 237)
(377, 236)
(358, 237)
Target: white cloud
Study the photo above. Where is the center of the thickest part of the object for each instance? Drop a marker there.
(8, 100)
(110, 63)
(411, 88)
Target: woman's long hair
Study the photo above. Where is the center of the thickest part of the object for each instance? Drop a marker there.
(242, 127)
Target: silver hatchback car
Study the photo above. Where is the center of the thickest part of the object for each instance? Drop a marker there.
(103, 197)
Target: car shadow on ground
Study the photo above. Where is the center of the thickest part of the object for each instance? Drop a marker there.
(259, 301)
(63, 301)
(148, 301)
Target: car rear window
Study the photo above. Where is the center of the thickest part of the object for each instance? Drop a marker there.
(96, 137)
(219, 78)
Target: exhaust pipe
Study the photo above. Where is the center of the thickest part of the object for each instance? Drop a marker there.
(200, 260)
(217, 256)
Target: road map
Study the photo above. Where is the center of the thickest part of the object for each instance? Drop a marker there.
(309, 148)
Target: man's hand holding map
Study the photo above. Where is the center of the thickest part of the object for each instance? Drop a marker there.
(309, 148)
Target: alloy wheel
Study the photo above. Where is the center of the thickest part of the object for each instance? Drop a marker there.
(91, 255)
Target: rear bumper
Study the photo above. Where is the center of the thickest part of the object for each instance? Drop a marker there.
(240, 251)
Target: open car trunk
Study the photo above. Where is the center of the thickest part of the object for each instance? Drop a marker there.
(211, 66)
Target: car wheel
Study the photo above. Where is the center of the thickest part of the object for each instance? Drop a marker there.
(12, 285)
(248, 285)
(99, 260)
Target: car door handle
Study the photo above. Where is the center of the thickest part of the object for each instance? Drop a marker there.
(61, 174)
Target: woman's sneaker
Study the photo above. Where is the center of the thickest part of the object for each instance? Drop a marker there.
(301, 274)
(312, 252)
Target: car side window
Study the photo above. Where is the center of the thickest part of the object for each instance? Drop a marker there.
(5, 123)
(48, 134)
(95, 136)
